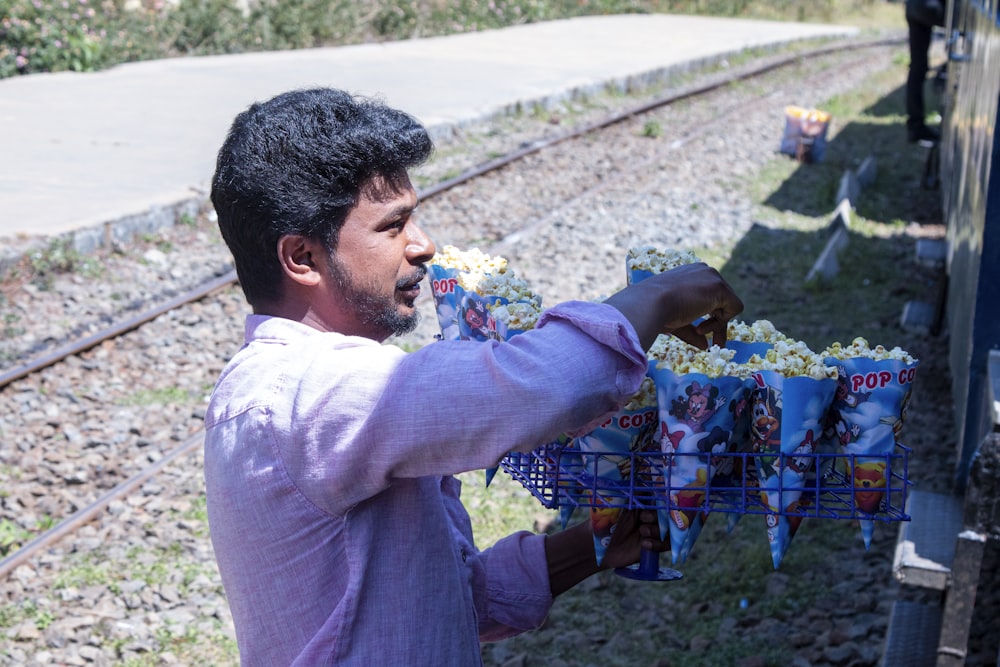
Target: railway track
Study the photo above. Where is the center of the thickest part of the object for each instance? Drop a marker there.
(94, 426)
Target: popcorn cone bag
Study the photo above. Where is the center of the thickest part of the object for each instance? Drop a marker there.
(742, 472)
(563, 459)
(866, 417)
(642, 262)
(462, 315)
(697, 423)
(478, 297)
(447, 299)
(645, 261)
(743, 351)
(786, 417)
(746, 341)
(475, 319)
(606, 453)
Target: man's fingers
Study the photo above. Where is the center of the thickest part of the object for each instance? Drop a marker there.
(689, 334)
(714, 330)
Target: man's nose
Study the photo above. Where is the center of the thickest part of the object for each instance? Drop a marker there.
(420, 247)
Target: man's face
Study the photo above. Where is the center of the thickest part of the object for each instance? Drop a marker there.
(378, 265)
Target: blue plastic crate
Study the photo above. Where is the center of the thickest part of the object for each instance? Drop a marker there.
(561, 476)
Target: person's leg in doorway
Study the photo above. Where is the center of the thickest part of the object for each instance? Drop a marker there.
(920, 42)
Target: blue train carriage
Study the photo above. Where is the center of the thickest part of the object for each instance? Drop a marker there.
(971, 204)
(968, 160)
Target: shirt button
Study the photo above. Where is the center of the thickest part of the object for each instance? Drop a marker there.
(465, 555)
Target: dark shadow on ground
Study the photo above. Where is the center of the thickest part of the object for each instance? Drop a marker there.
(898, 192)
(893, 104)
(768, 269)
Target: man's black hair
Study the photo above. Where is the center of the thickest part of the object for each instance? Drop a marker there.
(297, 164)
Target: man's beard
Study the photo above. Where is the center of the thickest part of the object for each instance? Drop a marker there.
(376, 311)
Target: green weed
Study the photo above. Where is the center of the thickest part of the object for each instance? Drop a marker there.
(652, 129)
(58, 257)
(12, 536)
(160, 396)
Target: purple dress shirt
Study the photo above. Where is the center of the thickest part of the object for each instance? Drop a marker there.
(334, 515)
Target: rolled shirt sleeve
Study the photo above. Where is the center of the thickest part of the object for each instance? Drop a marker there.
(514, 596)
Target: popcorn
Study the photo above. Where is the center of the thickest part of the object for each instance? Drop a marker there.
(672, 353)
(786, 355)
(859, 348)
(714, 362)
(792, 358)
(485, 275)
(760, 331)
(472, 261)
(648, 258)
(644, 398)
(518, 315)
(663, 346)
(504, 285)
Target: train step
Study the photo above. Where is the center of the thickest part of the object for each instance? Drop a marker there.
(925, 548)
(913, 634)
(934, 552)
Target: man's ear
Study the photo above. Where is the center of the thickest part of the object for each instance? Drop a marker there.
(300, 259)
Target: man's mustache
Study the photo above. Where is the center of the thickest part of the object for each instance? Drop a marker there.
(418, 275)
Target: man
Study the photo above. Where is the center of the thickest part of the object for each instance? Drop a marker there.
(921, 17)
(329, 456)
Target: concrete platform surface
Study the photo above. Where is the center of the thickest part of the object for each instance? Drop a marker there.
(80, 151)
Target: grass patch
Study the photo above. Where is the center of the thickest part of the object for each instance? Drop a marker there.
(161, 396)
(12, 536)
(59, 257)
(502, 508)
(652, 129)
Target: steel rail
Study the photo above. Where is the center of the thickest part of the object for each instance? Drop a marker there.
(134, 322)
(68, 525)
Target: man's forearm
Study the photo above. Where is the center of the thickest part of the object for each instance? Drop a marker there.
(570, 556)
